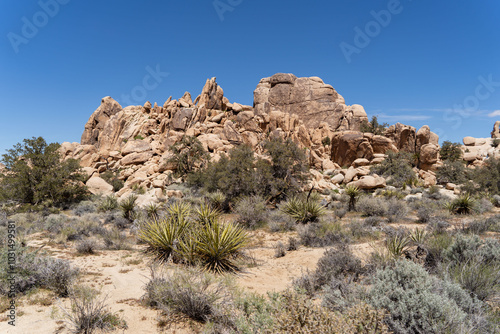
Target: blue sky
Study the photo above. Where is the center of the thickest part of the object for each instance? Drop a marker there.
(422, 61)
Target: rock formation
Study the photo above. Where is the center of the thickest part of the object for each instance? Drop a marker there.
(135, 140)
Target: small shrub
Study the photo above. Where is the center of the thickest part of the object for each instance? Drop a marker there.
(396, 210)
(189, 293)
(451, 172)
(251, 211)
(480, 278)
(87, 246)
(217, 200)
(280, 250)
(372, 206)
(111, 177)
(293, 244)
(397, 168)
(450, 151)
(84, 207)
(353, 194)
(340, 212)
(116, 240)
(89, 313)
(462, 205)
(321, 235)
(153, 210)
(396, 245)
(483, 205)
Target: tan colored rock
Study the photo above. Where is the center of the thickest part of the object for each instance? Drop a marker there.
(470, 156)
(496, 130)
(211, 142)
(182, 118)
(403, 136)
(136, 158)
(337, 179)
(469, 141)
(135, 146)
(360, 162)
(98, 119)
(174, 193)
(309, 98)
(348, 146)
(328, 164)
(212, 95)
(370, 182)
(98, 186)
(429, 154)
(349, 174)
(429, 178)
(451, 186)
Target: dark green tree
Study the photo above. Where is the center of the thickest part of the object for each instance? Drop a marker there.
(35, 174)
(187, 154)
(374, 126)
(450, 151)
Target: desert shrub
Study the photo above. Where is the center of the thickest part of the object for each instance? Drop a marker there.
(89, 313)
(217, 199)
(84, 207)
(372, 206)
(372, 221)
(293, 244)
(451, 172)
(425, 210)
(279, 221)
(303, 210)
(495, 200)
(483, 205)
(415, 301)
(396, 210)
(37, 175)
(450, 151)
(340, 212)
(190, 293)
(109, 203)
(251, 211)
(206, 214)
(153, 210)
(396, 245)
(322, 234)
(35, 270)
(358, 230)
(87, 246)
(187, 154)
(127, 207)
(114, 239)
(396, 168)
(486, 179)
(279, 250)
(111, 177)
(481, 225)
(463, 248)
(239, 174)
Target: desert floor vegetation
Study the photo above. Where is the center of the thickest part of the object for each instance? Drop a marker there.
(233, 258)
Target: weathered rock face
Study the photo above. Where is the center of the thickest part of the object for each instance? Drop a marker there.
(310, 99)
(95, 124)
(404, 137)
(496, 130)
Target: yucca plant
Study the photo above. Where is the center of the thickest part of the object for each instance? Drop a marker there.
(217, 199)
(162, 236)
(418, 236)
(206, 214)
(109, 203)
(153, 210)
(218, 244)
(353, 193)
(396, 245)
(302, 210)
(127, 206)
(462, 205)
(179, 210)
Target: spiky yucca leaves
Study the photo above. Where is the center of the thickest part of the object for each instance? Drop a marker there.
(206, 214)
(353, 193)
(127, 206)
(162, 236)
(418, 236)
(463, 205)
(217, 199)
(179, 210)
(218, 244)
(153, 210)
(396, 245)
(303, 210)
(109, 203)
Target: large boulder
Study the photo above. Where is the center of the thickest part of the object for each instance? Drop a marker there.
(98, 186)
(429, 155)
(135, 146)
(136, 158)
(212, 95)
(426, 136)
(98, 119)
(310, 99)
(403, 136)
(348, 146)
(370, 182)
(496, 130)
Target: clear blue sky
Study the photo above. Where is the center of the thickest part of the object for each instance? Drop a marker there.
(424, 59)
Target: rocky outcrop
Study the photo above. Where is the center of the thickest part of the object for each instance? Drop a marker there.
(496, 130)
(310, 99)
(98, 120)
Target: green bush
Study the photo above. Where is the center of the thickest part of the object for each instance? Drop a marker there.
(372, 206)
(111, 177)
(36, 175)
(239, 174)
(187, 154)
(303, 210)
(486, 179)
(450, 151)
(452, 171)
(397, 168)
(373, 126)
